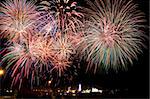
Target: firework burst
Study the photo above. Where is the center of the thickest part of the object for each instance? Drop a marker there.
(17, 16)
(65, 13)
(46, 24)
(63, 50)
(41, 49)
(60, 65)
(46, 38)
(63, 47)
(16, 58)
(25, 59)
(113, 36)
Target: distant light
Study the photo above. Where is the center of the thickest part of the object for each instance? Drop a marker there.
(69, 88)
(67, 91)
(58, 90)
(47, 94)
(73, 91)
(86, 91)
(60, 93)
(100, 91)
(96, 90)
(79, 87)
(49, 81)
(10, 91)
(73, 94)
(7, 90)
(1, 72)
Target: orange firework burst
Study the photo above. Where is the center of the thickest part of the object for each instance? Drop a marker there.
(63, 47)
(41, 49)
(63, 51)
(60, 65)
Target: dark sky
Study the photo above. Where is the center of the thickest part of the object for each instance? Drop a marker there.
(136, 79)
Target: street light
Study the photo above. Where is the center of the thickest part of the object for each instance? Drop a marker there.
(1, 82)
(1, 72)
(49, 82)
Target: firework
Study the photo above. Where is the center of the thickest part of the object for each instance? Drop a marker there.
(47, 38)
(65, 14)
(16, 57)
(113, 37)
(26, 59)
(63, 49)
(46, 24)
(17, 16)
(41, 49)
(60, 65)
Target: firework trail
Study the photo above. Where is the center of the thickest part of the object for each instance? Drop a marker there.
(113, 35)
(37, 56)
(60, 65)
(16, 57)
(65, 13)
(41, 49)
(16, 18)
(64, 49)
(27, 59)
(46, 38)
(30, 53)
(46, 24)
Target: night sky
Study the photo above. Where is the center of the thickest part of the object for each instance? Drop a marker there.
(136, 79)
